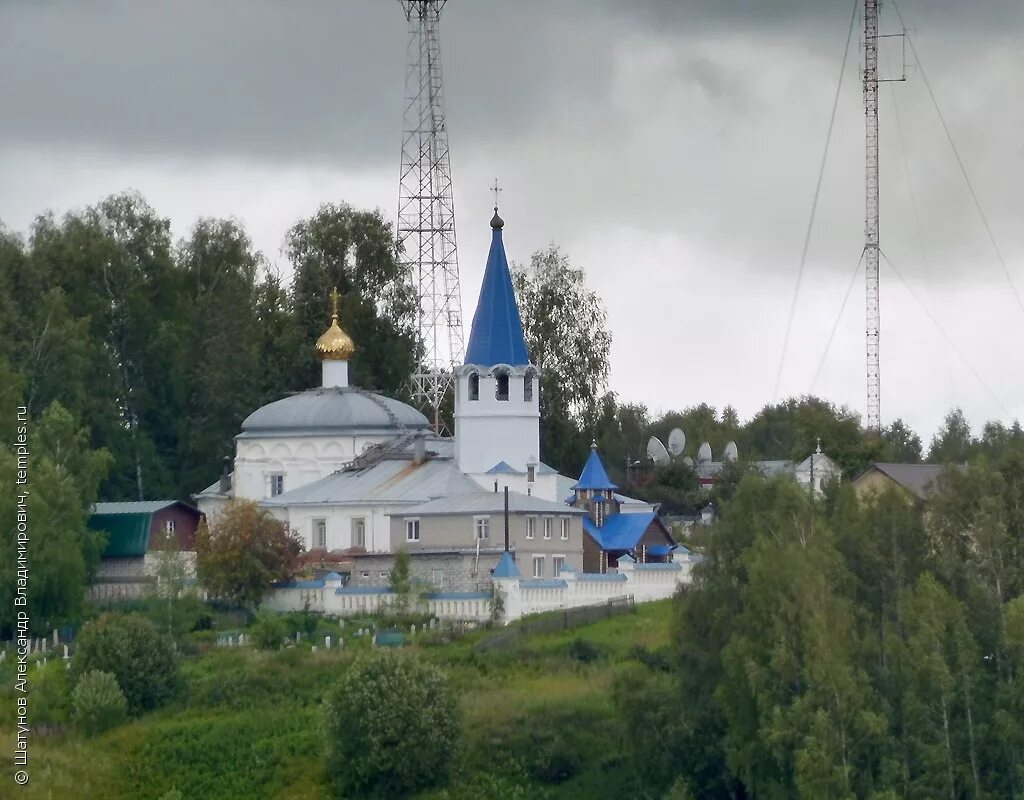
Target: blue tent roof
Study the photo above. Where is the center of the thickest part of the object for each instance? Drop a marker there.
(619, 532)
(594, 475)
(497, 333)
(506, 567)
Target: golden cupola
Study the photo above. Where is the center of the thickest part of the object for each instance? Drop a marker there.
(335, 348)
(334, 344)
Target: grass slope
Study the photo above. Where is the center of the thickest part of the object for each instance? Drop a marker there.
(539, 722)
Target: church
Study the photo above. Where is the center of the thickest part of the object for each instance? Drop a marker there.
(359, 475)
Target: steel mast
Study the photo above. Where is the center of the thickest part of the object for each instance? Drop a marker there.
(871, 214)
(426, 212)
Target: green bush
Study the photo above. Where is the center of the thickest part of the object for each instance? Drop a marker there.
(270, 630)
(130, 648)
(584, 651)
(51, 694)
(393, 727)
(99, 703)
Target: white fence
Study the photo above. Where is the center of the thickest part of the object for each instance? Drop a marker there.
(645, 582)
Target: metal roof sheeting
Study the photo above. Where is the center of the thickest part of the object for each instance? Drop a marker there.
(484, 502)
(497, 333)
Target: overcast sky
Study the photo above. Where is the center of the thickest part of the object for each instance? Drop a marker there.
(670, 147)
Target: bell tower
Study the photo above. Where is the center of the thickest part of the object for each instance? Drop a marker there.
(497, 390)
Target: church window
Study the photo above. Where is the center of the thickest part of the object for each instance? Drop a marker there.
(531, 473)
(276, 484)
(320, 534)
(538, 566)
(501, 386)
(474, 386)
(412, 530)
(359, 532)
(482, 525)
(549, 523)
(528, 387)
(531, 527)
(565, 528)
(557, 565)
(170, 526)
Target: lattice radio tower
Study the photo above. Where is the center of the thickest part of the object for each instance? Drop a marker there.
(426, 211)
(871, 214)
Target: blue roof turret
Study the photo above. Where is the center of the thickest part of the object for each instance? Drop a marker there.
(497, 333)
(506, 567)
(594, 475)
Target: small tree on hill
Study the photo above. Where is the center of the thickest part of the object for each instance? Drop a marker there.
(130, 648)
(243, 551)
(392, 727)
(401, 582)
(99, 702)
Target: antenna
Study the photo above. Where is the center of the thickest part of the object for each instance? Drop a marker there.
(426, 212)
(676, 442)
(656, 452)
(871, 214)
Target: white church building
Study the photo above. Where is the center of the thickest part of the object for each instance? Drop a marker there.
(359, 475)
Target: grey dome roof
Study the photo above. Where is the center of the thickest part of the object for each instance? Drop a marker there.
(333, 410)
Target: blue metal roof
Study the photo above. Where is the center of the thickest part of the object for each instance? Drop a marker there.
(503, 468)
(594, 475)
(364, 590)
(497, 333)
(301, 585)
(620, 531)
(660, 549)
(506, 567)
(541, 583)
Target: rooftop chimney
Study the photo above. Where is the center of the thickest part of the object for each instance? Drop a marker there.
(225, 475)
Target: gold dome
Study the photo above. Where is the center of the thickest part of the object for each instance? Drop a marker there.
(334, 344)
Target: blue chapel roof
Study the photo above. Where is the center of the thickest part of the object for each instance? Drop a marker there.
(594, 475)
(497, 333)
(620, 531)
(506, 567)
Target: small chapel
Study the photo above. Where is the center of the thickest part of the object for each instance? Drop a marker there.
(360, 475)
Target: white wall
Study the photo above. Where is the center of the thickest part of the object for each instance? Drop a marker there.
(301, 460)
(489, 430)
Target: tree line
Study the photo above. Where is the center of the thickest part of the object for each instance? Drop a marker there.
(841, 648)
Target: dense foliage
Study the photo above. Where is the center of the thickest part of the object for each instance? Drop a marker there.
(99, 703)
(393, 728)
(837, 648)
(243, 550)
(130, 648)
(160, 349)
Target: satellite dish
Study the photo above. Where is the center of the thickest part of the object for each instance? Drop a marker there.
(704, 453)
(656, 451)
(732, 452)
(676, 442)
(688, 461)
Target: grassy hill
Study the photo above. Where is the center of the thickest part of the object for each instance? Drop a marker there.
(539, 722)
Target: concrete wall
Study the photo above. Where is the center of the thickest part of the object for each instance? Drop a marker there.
(459, 531)
(645, 582)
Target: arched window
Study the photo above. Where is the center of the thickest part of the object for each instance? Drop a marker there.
(528, 387)
(474, 386)
(501, 386)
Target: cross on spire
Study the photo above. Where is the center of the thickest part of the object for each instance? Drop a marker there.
(335, 299)
(496, 189)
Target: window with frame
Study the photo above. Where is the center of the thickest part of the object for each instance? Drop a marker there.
(320, 534)
(538, 566)
(170, 526)
(531, 473)
(359, 532)
(276, 484)
(383, 573)
(528, 387)
(412, 530)
(557, 565)
(482, 526)
(501, 386)
(531, 527)
(474, 386)
(548, 525)
(565, 528)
